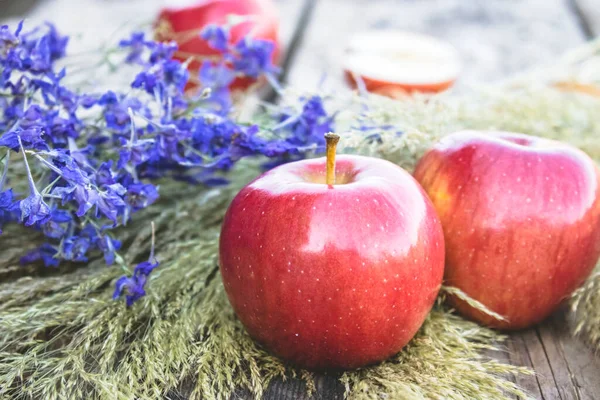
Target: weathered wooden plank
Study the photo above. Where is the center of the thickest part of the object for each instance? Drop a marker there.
(518, 355)
(541, 364)
(11, 8)
(566, 368)
(589, 13)
(495, 37)
(559, 365)
(327, 387)
(294, 42)
(582, 363)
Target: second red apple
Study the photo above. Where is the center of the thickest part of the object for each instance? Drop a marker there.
(521, 219)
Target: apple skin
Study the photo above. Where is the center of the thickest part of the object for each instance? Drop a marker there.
(183, 20)
(332, 277)
(521, 219)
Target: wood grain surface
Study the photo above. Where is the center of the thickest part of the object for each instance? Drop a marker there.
(495, 38)
(588, 11)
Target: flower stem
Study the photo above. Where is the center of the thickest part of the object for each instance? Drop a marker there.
(153, 242)
(32, 187)
(5, 171)
(332, 140)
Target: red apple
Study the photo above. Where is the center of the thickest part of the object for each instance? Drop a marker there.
(184, 24)
(332, 276)
(394, 63)
(521, 218)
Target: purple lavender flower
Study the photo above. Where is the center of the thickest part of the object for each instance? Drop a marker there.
(85, 197)
(56, 42)
(216, 36)
(98, 168)
(105, 175)
(253, 57)
(108, 246)
(7, 38)
(116, 108)
(8, 207)
(57, 224)
(217, 77)
(162, 51)
(134, 153)
(140, 195)
(33, 208)
(310, 125)
(75, 248)
(111, 201)
(66, 167)
(46, 253)
(31, 139)
(137, 44)
(133, 288)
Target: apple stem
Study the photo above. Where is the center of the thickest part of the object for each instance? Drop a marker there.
(331, 139)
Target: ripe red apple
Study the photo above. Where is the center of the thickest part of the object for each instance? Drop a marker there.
(184, 24)
(332, 276)
(521, 218)
(395, 63)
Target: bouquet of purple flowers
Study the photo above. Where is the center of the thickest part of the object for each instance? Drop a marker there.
(76, 164)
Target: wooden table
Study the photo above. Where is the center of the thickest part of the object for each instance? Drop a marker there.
(495, 37)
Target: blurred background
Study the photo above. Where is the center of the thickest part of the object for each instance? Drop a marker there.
(493, 38)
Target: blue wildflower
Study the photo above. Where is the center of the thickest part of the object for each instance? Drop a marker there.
(55, 227)
(137, 44)
(134, 151)
(163, 74)
(33, 208)
(216, 36)
(253, 57)
(116, 109)
(309, 126)
(85, 197)
(216, 77)
(66, 167)
(133, 288)
(9, 39)
(175, 74)
(60, 129)
(140, 195)
(8, 207)
(111, 201)
(46, 253)
(31, 139)
(147, 80)
(105, 175)
(74, 248)
(88, 101)
(162, 51)
(56, 43)
(109, 247)
(80, 137)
